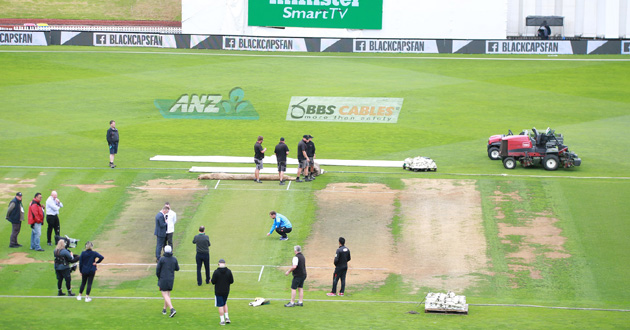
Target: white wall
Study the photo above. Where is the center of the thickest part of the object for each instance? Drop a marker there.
(582, 18)
(434, 19)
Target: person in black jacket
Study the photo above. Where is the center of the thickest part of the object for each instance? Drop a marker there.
(165, 272)
(63, 259)
(299, 275)
(87, 268)
(342, 256)
(203, 254)
(222, 278)
(15, 215)
(112, 140)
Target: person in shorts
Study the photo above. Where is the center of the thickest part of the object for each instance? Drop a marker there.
(112, 140)
(299, 276)
(259, 154)
(165, 272)
(281, 151)
(303, 159)
(310, 152)
(222, 278)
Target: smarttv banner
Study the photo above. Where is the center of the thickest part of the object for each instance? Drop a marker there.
(345, 109)
(343, 14)
(134, 40)
(528, 47)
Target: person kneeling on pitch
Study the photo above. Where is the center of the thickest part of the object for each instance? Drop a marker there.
(222, 278)
(281, 224)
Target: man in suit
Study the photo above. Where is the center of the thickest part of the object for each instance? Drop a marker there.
(160, 231)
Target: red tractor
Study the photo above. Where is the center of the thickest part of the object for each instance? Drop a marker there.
(494, 144)
(546, 148)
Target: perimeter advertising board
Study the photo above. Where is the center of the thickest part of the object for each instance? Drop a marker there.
(528, 47)
(11, 38)
(395, 46)
(342, 14)
(345, 109)
(134, 40)
(264, 44)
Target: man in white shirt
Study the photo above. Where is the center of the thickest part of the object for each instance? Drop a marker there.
(171, 219)
(52, 215)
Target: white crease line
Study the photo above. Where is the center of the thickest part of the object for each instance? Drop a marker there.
(261, 271)
(215, 187)
(336, 300)
(289, 186)
(167, 188)
(272, 266)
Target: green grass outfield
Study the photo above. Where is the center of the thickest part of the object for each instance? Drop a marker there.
(57, 102)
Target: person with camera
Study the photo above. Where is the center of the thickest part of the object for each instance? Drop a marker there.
(63, 259)
(87, 268)
(165, 272)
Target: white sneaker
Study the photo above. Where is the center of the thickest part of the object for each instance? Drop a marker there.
(88, 299)
(79, 297)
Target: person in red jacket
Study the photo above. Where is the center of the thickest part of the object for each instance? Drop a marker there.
(35, 219)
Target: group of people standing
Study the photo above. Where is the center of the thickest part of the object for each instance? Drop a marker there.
(167, 264)
(36, 211)
(305, 156)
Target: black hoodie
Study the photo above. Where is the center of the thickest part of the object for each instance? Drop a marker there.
(222, 278)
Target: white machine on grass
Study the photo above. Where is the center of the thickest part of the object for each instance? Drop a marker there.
(420, 164)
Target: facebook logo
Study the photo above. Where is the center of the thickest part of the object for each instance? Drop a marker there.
(101, 39)
(493, 47)
(360, 46)
(230, 43)
(625, 47)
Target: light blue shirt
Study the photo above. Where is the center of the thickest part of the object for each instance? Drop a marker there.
(280, 221)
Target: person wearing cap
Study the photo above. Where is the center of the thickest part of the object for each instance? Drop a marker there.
(281, 151)
(112, 140)
(203, 254)
(303, 159)
(15, 215)
(298, 269)
(221, 279)
(281, 225)
(36, 219)
(310, 152)
(342, 256)
(53, 204)
(259, 154)
(165, 272)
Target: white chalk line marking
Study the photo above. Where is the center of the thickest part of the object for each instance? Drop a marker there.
(329, 56)
(289, 185)
(328, 300)
(261, 271)
(229, 266)
(215, 187)
(169, 188)
(233, 271)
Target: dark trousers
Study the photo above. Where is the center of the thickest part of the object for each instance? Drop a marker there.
(340, 274)
(53, 223)
(86, 278)
(161, 243)
(15, 230)
(283, 231)
(169, 239)
(203, 258)
(61, 275)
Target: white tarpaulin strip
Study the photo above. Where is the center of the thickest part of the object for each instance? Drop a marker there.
(272, 160)
(246, 170)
